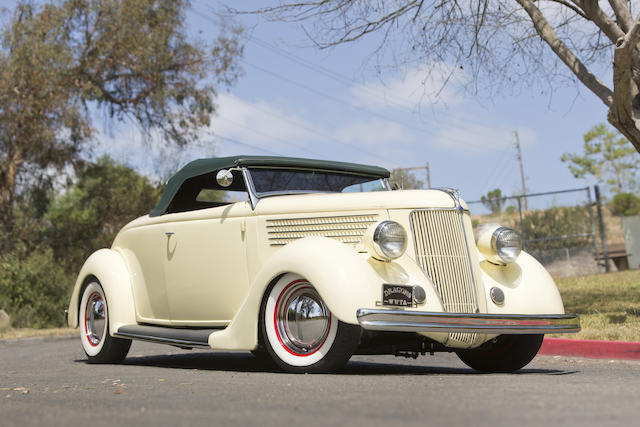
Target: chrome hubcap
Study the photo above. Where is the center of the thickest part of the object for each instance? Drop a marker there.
(95, 319)
(302, 319)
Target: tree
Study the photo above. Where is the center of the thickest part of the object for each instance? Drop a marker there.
(61, 62)
(405, 180)
(493, 201)
(497, 40)
(625, 204)
(89, 214)
(608, 158)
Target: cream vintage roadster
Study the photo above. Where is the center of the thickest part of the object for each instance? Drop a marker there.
(308, 262)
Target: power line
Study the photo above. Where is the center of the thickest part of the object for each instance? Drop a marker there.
(345, 80)
(395, 101)
(355, 107)
(257, 132)
(235, 141)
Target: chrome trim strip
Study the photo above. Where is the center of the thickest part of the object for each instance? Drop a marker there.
(324, 217)
(172, 341)
(248, 181)
(311, 231)
(423, 321)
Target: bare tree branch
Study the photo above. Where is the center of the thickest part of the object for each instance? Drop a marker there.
(623, 14)
(625, 110)
(565, 54)
(606, 24)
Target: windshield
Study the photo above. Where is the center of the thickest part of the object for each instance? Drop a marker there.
(289, 181)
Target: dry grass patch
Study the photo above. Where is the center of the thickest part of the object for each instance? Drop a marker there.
(15, 333)
(608, 304)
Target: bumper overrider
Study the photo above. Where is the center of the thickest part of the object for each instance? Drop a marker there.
(380, 319)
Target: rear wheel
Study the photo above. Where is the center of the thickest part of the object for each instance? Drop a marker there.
(505, 353)
(300, 333)
(98, 345)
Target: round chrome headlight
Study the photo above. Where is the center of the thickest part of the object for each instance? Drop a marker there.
(500, 245)
(389, 240)
(507, 243)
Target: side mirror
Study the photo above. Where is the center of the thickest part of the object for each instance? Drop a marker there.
(224, 178)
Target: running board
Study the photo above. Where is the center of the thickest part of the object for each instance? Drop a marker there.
(180, 337)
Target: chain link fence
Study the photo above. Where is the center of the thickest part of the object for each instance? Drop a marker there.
(558, 227)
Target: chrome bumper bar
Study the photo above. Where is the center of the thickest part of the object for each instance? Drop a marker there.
(422, 321)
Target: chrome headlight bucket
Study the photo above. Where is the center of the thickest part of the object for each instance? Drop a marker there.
(385, 240)
(500, 245)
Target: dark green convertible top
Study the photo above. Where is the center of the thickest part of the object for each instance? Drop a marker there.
(203, 166)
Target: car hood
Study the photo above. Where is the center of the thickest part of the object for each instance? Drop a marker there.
(402, 199)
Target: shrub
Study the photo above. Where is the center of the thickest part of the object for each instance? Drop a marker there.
(625, 204)
(34, 290)
(556, 222)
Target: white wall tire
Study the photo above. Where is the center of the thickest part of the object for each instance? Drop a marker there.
(298, 330)
(98, 345)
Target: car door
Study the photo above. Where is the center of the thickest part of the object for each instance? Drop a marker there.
(206, 265)
(144, 250)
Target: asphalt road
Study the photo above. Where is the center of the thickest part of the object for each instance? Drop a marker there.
(47, 382)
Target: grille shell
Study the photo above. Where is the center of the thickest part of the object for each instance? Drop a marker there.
(442, 251)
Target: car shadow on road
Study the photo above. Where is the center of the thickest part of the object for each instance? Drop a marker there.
(246, 362)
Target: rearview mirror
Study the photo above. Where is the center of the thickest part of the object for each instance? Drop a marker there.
(224, 178)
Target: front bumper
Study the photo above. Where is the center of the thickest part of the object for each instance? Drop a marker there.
(422, 321)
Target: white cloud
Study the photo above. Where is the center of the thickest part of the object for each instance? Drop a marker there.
(264, 125)
(477, 138)
(375, 133)
(435, 84)
(285, 131)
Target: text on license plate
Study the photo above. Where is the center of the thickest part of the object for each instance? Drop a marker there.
(398, 295)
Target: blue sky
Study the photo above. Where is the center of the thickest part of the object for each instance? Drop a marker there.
(295, 100)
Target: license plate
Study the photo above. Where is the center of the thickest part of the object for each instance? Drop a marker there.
(398, 295)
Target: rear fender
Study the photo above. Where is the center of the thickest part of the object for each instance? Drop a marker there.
(109, 268)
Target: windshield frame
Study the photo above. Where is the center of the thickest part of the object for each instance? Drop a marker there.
(255, 196)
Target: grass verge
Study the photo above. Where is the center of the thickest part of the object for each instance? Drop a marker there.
(15, 333)
(608, 305)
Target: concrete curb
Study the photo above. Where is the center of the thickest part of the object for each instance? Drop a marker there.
(590, 348)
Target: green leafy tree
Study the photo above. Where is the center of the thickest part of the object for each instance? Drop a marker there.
(130, 59)
(404, 179)
(34, 289)
(608, 158)
(493, 201)
(89, 214)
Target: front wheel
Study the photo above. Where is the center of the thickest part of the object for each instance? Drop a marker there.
(98, 345)
(300, 333)
(505, 353)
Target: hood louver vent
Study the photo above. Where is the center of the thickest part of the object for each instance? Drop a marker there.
(346, 229)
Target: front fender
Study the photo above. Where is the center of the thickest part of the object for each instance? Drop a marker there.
(109, 268)
(528, 287)
(343, 278)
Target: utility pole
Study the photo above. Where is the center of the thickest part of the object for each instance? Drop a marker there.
(425, 167)
(524, 187)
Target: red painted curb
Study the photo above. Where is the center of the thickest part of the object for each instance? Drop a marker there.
(591, 348)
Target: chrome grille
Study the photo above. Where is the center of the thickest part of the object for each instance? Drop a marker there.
(442, 252)
(346, 228)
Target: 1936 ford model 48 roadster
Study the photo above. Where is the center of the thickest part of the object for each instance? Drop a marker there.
(317, 261)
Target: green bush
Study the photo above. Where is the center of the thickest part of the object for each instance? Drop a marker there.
(34, 290)
(625, 204)
(555, 222)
